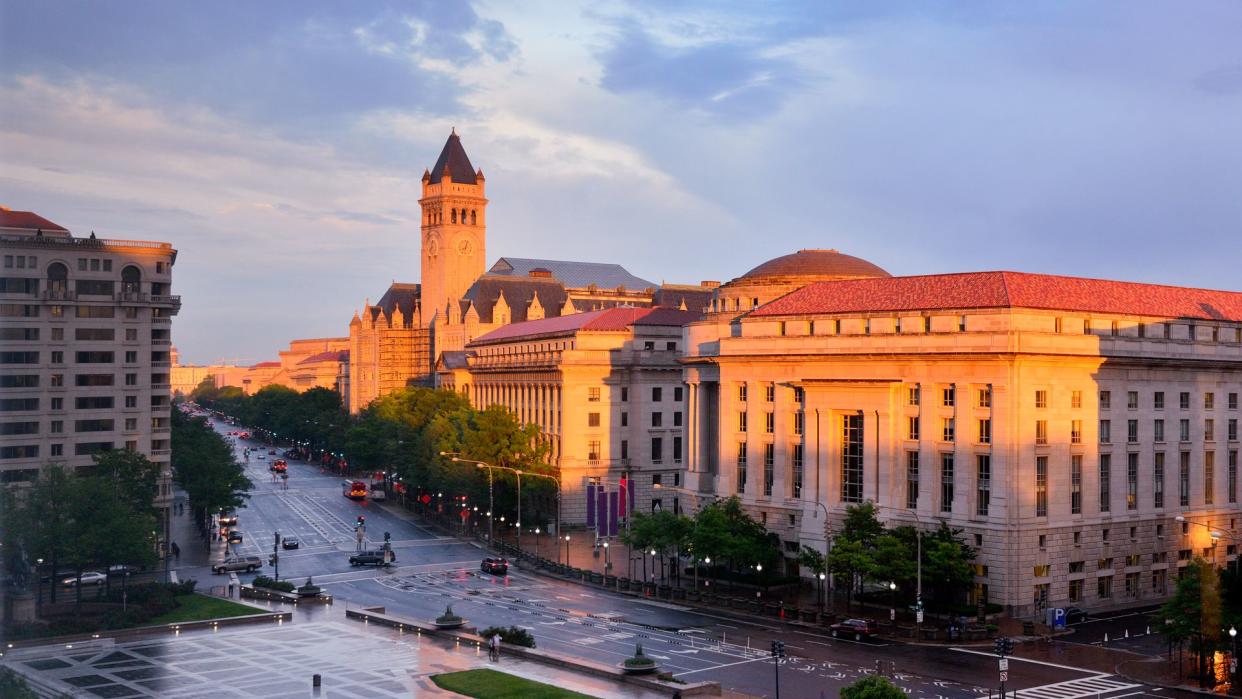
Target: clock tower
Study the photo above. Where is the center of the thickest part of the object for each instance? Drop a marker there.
(454, 229)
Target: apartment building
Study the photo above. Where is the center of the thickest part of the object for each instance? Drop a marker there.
(86, 326)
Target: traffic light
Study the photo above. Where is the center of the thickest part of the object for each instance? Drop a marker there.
(778, 649)
(999, 646)
(1008, 646)
(362, 520)
(387, 537)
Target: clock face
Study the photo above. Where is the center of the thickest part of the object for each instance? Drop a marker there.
(433, 246)
(465, 247)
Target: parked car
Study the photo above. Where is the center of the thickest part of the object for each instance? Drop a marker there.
(260, 456)
(236, 563)
(373, 558)
(235, 537)
(123, 569)
(1074, 615)
(290, 542)
(495, 566)
(377, 495)
(858, 629)
(272, 452)
(93, 577)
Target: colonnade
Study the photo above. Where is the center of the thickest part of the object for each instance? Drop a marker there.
(531, 402)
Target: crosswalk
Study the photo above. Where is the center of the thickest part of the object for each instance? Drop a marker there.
(1075, 689)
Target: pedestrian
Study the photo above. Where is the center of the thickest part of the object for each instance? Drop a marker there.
(176, 551)
(495, 647)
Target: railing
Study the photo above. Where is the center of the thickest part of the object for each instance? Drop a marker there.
(161, 341)
(161, 385)
(165, 364)
(173, 299)
(161, 452)
(132, 296)
(58, 295)
(160, 430)
(66, 241)
(161, 320)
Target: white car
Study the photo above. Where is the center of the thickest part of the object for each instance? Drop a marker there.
(261, 456)
(92, 578)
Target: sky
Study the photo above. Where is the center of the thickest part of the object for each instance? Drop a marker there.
(280, 145)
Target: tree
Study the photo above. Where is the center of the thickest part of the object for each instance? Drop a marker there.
(136, 476)
(849, 560)
(872, 687)
(862, 524)
(815, 562)
(204, 466)
(1193, 612)
(947, 564)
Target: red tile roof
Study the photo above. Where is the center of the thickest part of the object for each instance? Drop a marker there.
(264, 365)
(27, 219)
(330, 356)
(609, 319)
(1007, 290)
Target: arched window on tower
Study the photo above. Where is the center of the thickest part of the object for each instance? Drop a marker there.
(463, 217)
(454, 216)
(131, 280)
(57, 277)
(474, 221)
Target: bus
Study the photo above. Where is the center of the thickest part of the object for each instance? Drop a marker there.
(356, 490)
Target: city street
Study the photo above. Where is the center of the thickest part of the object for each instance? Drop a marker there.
(433, 571)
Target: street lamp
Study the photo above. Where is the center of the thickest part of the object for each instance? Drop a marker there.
(607, 564)
(1233, 656)
(653, 555)
(536, 543)
(892, 601)
(566, 550)
(821, 577)
(39, 583)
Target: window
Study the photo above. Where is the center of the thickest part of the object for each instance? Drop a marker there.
(1209, 430)
(657, 419)
(592, 419)
(1231, 429)
(1233, 401)
(1076, 567)
(131, 335)
(741, 392)
(912, 395)
(1106, 430)
(1209, 477)
(1159, 581)
(769, 422)
(93, 403)
(912, 428)
(983, 482)
(657, 450)
(797, 470)
(593, 453)
(59, 450)
(852, 458)
(769, 393)
(657, 394)
(676, 450)
(1158, 430)
(741, 467)
(625, 449)
(1076, 484)
(678, 394)
(769, 467)
(1132, 481)
(1041, 431)
(1041, 571)
(625, 394)
(947, 429)
(984, 399)
(1132, 400)
(1076, 399)
(131, 401)
(948, 397)
(961, 324)
(1132, 584)
(1106, 474)
(670, 346)
(912, 480)
(593, 395)
(1183, 479)
(1106, 400)
(985, 431)
(677, 419)
(1183, 430)
(57, 426)
(20, 357)
(799, 422)
(741, 421)
(1041, 486)
(1131, 431)
(625, 418)
(1104, 563)
(1209, 401)
(1075, 431)
(1158, 400)
(1075, 590)
(1041, 399)
(1157, 475)
(946, 482)
(1233, 475)
(1183, 400)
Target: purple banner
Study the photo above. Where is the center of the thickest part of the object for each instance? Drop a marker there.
(632, 502)
(601, 511)
(625, 494)
(613, 501)
(590, 505)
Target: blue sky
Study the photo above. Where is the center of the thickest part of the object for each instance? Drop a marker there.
(279, 145)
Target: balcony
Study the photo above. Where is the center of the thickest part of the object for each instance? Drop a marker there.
(165, 384)
(58, 295)
(164, 364)
(161, 452)
(161, 321)
(161, 342)
(132, 297)
(161, 430)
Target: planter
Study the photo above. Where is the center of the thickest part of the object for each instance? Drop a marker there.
(644, 669)
(623, 584)
(754, 606)
(679, 593)
(444, 625)
(597, 578)
(692, 596)
(930, 634)
(664, 591)
(610, 580)
(739, 602)
(827, 618)
(772, 608)
(807, 615)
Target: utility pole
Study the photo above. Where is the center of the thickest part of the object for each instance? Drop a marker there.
(1003, 647)
(276, 554)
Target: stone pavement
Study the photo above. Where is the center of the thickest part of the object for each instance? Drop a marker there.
(276, 661)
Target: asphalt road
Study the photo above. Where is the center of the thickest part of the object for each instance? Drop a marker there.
(433, 571)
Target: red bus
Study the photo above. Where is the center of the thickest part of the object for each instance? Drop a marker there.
(355, 490)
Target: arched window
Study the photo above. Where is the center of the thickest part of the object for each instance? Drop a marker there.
(57, 277)
(473, 219)
(454, 215)
(463, 217)
(131, 280)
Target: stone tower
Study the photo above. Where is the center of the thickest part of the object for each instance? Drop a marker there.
(454, 230)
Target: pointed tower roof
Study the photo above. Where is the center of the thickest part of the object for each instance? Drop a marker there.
(453, 160)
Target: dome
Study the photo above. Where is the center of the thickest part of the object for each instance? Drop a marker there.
(821, 264)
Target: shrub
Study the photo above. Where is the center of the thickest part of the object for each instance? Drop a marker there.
(270, 584)
(639, 660)
(512, 635)
(14, 685)
(448, 617)
(872, 687)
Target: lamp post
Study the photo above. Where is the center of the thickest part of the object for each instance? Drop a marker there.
(820, 597)
(892, 601)
(536, 543)
(607, 563)
(567, 550)
(653, 555)
(1233, 655)
(707, 561)
(39, 584)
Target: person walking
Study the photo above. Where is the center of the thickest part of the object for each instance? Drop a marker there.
(176, 551)
(494, 647)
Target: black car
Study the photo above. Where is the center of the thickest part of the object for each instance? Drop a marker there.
(290, 542)
(495, 566)
(1074, 615)
(373, 558)
(235, 537)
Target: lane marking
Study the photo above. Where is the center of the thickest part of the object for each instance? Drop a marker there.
(1024, 660)
(718, 667)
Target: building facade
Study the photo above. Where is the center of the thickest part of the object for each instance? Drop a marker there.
(1062, 424)
(86, 325)
(603, 386)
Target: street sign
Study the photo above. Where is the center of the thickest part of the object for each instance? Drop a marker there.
(1004, 664)
(1004, 676)
(918, 616)
(426, 499)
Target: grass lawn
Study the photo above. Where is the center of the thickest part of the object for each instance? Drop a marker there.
(490, 684)
(198, 607)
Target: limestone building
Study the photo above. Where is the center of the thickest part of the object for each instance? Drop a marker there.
(86, 325)
(1061, 423)
(397, 341)
(603, 386)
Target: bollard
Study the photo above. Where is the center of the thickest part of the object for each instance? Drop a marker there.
(1127, 633)
(1148, 631)
(316, 680)
(1105, 638)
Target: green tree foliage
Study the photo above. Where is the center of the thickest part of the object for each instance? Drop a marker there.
(204, 466)
(1193, 613)
(872, 687)
(724, 532)
(862, 524)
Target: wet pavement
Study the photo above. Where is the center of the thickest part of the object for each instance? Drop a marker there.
(276, 662)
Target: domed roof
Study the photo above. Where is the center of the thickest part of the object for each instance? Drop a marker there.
(820, 264)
